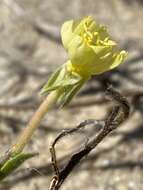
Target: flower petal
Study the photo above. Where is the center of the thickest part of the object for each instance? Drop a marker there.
(108, 62)
(101, 50)
(118, 59)
(67, 32)
(81, 55)
(86, 22)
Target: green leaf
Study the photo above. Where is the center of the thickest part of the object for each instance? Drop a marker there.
(13, 163)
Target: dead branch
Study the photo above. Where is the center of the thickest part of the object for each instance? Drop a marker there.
(118, 115)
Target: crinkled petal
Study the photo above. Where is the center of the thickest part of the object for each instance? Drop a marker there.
(103, 33)
(118, 59)
(81, 55)
(101, 51)
(67, 32)
(109, 61)
(91, 24)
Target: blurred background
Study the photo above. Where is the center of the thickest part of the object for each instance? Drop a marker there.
(30, 49)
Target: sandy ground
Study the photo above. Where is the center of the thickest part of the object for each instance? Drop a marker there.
(30, 48)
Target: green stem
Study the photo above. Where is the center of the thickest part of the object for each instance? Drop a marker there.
(27, 133)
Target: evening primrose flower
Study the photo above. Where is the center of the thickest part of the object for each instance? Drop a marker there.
(90, 50)
(89, 47)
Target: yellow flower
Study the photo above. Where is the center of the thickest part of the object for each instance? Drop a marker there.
(90, 51)
(89, 47)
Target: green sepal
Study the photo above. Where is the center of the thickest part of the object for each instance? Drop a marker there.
(68, 82)
(53, 81)
(13, 163)
(61, 79)
(69, 93)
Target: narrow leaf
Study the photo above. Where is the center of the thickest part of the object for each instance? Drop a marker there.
(13, 163)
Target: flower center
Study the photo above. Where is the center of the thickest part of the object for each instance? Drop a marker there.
(93, 38)
(87, 35)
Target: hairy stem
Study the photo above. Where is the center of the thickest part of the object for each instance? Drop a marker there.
(27, 133)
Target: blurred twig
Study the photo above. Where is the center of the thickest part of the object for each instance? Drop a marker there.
(15, 6)
(49, 31)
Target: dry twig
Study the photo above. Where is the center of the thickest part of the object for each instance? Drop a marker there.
(118, 115)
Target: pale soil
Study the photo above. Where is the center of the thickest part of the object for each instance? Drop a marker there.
(27, 56)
